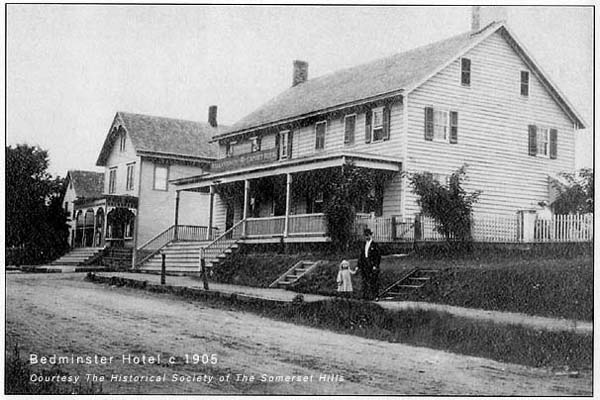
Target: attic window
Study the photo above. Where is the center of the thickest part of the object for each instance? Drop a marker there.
(524, 83)
(122, 142)
(465, 72)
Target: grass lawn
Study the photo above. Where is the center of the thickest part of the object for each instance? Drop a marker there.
(553, 287)
(541, 282)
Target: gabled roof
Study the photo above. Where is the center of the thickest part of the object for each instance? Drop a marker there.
(87, 184)
(165, 137)
(397, 74)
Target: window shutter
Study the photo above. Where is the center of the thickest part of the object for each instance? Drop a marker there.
(553, 144)
(386, 121)
(453, 127)
(277, 140)
(532, 140)
(428, 123)
(368, 126)
(289, 144)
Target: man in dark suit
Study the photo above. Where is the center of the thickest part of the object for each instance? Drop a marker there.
(368, 263)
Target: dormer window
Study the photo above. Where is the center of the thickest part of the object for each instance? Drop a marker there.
(465, 72)
(524, 83)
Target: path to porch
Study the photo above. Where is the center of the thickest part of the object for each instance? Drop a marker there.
(535, 322)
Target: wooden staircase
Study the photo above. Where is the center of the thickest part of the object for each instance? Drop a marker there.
(297, 271)
(79, 256)
(180, 257)
(410, 282)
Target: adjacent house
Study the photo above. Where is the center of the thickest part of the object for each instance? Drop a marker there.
(132, 200)
(477, 98)
(82, 188)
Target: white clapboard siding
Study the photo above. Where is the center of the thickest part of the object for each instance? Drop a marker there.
(492, 131)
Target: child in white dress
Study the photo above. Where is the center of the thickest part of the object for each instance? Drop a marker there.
(344, 277)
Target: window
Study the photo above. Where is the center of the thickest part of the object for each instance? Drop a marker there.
(320, 129)
(112, 180)
(229, 149)
(284, 144)
(543, 141)
(122, 142)
(377, 124)
(254, 144)
(465, 72)
(441, 125)
(130, 169)
(349, 128)
(161, 173)
(319, 199)
(524, 83)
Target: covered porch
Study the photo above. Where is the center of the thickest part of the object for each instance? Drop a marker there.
(106, 221)
(285, 201)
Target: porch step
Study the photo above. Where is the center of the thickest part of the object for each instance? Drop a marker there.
(297, 271)
(78, 256)
(184, 257)
(412, 280)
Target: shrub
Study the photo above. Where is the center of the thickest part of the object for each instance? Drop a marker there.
(449, 204)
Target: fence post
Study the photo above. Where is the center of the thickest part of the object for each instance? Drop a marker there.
(203, 272)
(394, 227)
(163, 269)
(418, 227)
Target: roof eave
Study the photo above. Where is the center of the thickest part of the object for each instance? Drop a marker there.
(308, 115)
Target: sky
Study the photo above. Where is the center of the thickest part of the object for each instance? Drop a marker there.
(70, 68)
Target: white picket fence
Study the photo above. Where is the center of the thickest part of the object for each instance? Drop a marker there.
(489, 228)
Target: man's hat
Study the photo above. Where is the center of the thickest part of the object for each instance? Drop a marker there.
(367, 231)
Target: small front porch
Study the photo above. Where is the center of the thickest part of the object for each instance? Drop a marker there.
(107, 221)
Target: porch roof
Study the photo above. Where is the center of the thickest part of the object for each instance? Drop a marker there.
(319, 161)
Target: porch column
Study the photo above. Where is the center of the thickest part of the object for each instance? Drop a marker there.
(105, 226)
(94, 231)
(288, 187)
(83, 235)
(211, 201)
(245, 207)
(176, 214)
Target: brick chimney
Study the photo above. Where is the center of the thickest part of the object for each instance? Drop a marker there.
(300, 72)
(482, 16)
(212, 116)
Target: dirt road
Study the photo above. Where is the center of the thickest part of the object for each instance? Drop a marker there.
(60, 314)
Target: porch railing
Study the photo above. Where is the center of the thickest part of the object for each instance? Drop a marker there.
(222, 242)
(307, 224)
(299, 225)
(153, 246)
(194, 233)
(264, 227)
